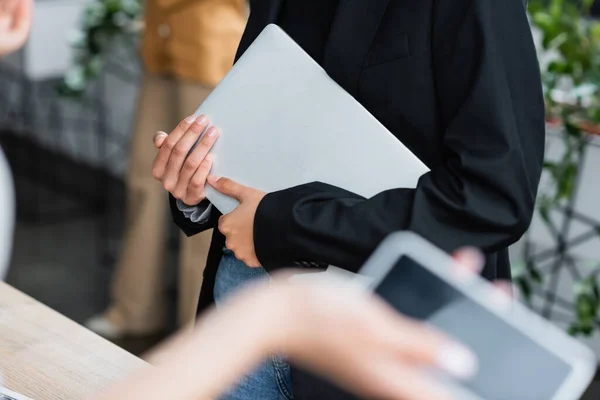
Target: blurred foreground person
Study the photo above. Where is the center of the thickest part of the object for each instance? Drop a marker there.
(188, 47)
(15, 23)
(334, 329)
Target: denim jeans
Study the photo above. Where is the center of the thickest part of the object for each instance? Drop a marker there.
(271, 380)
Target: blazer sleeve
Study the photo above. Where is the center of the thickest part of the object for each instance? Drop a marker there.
(483, 191)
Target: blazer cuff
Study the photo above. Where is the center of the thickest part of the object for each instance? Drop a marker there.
(274, 228)
(198, 214)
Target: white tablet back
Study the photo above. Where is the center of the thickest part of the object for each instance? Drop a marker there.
(284, 122)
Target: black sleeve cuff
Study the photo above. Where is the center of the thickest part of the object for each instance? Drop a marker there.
(279, 238)
(271, 224)
(188, 227)
(274, 226)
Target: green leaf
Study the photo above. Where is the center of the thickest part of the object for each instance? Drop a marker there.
(534, 272)
(557, 42)
(545, 212)
(596, 294)
(574, 330)
(559, 67)
(572, 129)
(525, 288)
(566, 183)
(556, 8)
(584, 307)
(587, 5)
(581, 328)
(587, 330)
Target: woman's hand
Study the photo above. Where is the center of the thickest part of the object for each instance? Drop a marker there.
(183, 174)
(15, 23)
(364, 346)
(359, 342)
(238, 226)
(331, 328)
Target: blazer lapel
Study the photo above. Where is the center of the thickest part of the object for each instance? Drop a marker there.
(352, 34)
(264, 12)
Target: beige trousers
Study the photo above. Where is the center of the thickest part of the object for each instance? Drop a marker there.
(138, 304)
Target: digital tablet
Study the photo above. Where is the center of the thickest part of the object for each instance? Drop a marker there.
(521, 355)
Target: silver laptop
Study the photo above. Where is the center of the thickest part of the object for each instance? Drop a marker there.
(284, 122)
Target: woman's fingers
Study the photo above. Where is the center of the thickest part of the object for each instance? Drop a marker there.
(160, 163)
(400, 381)
(180, 152)
(195, 192)
(420, 345)
(8, 6)
(470, 259)
(193, 162)
(159, 139)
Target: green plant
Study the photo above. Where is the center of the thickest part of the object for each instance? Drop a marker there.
(572, 95)
(103, 21)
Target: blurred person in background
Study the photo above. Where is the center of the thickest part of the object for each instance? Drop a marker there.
(188, 47)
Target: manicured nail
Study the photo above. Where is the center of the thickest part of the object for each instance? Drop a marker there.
(202, 120)
(160, 135)
(458, 361)
(190, 119)
(213, 179)
(212, 131)
(208, 157)
(472, 258)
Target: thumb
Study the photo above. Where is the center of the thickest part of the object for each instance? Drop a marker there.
(227, 187)
(159, 139)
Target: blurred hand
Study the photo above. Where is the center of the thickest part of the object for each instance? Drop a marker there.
(183, 174)
(471, 260)
(15, 23)
(238, 226)
(330, 327)
(360, 343)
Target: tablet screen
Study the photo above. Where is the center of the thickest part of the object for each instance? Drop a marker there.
(512, 366)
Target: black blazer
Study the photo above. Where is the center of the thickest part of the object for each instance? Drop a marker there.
(458, 82)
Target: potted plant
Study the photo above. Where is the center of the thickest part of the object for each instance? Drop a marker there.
(571, 80)
(102, 22)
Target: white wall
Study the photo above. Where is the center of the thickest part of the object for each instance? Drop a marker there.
(48, 53)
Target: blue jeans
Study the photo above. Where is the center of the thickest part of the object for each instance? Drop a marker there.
(271, 380)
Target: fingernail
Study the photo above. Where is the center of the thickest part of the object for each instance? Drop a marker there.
(208, 157)
(212, 131)
(213, 178)
(190, 119)
(159, 138)
(458, 361)
(478, 256)
(473, 258)
(202, 120)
